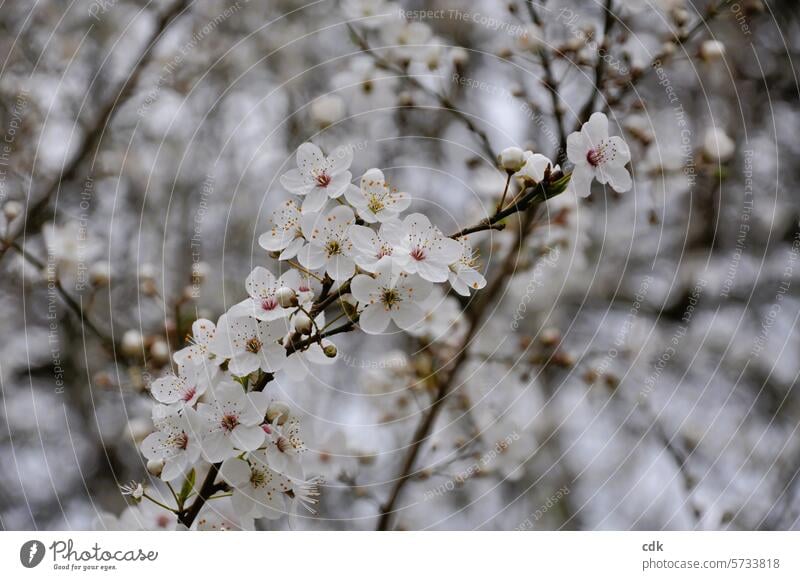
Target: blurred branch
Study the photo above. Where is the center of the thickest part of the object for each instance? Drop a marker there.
(94, 135)
(551, 84)
(445, 385)
(443, 101)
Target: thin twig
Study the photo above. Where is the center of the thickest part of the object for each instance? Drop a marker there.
(92, 137)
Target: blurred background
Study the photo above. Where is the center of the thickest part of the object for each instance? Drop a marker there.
(638, 370)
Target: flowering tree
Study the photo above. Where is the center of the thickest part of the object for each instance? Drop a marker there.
(374, 226)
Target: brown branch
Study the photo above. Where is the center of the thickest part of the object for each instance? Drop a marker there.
(207, 489)
(445, 386)
(600, 65)
(94, 135)
(551, 84)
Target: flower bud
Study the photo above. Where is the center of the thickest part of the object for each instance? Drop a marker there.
(712, 50)
(286, 297)
(278, 412)
(330, 351)
(12, 209)
(717, 146)
(327, 110)
(159, 350)
(132, 343)
(302, 323)
(155, 466)
(512, 159)
(459, 56)
(99, 273)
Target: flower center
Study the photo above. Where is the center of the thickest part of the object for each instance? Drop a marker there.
(594, 157)
(282, 444)
(269, 303)
(253, 345)
(179, 441)
(333, 248)
(257, 478)
(323, 179)
(418, 254)
(375, 204)
(390, 297)
(229, 422)
(385, 250)
(189, 394)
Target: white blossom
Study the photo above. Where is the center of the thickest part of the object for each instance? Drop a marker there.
(176, 440)
(329, 245)
(429, 252)
(598, 156)
(464, 275)
(389, 297)
(318, 177)
(375, 200)
(249, 344)
(232, 421)
(285, 235)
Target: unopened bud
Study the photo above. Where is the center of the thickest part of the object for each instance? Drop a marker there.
(12, 209)
(512, 159)
(132, 343)
(155, 466)
(459, 56)
(159, 350)
(99, 273)
(302, 323)
(712, 50)
(278, 412)
(286, 297)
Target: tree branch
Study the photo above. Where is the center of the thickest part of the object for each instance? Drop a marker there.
(91, 141)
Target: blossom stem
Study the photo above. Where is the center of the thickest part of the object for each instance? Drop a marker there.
(297, 266)
(505, 192)
(159, 504)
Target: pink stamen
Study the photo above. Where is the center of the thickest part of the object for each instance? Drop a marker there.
(229, 422)
(269, 304)
(418, 254)
(594, 157)
(323, 179)
(189, 394)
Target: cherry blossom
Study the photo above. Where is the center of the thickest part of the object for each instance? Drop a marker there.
(285, 235)
(429, 252)
(317, 177)
(263, 302)
(598, 156)
(329, 244)
(183, 389)
(370, 248)
(464, 275)
(232, 421)
(197, 352)
(175, 441)
(535, 166)
(389, 297)
(258, 490)
(375, 200)
(249, 344)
